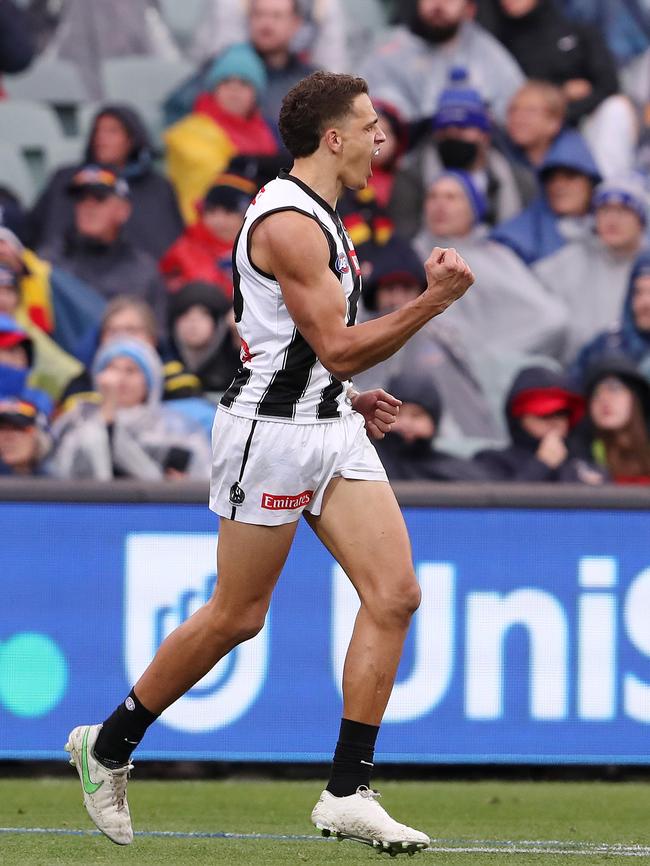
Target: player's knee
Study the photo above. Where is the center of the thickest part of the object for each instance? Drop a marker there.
(398, 600)
(239, 626)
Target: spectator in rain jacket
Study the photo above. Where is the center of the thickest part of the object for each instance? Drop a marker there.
(561, 212)
(129, 434)
(631, 338)
(591, 275)
(117, 138)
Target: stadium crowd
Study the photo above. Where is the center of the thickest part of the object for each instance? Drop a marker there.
(518, 131)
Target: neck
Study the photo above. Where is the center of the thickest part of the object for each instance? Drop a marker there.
(312, 171)
(625, 250)
(277, 59)
(536, 152)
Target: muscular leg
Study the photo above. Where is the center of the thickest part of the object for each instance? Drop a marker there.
(249, 561)
(362, 526)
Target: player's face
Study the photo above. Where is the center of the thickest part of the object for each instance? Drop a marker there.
(361, 136)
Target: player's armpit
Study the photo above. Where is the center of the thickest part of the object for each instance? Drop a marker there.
(293, 248)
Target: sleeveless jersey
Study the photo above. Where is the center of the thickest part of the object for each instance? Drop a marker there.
(281, 378)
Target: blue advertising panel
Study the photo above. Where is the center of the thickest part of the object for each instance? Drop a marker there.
(532, 643)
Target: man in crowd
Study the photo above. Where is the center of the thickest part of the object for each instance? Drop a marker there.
(95, 250)
(410, 67)
(460, 138)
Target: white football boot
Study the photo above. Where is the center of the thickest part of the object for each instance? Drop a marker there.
(360, 817)
(104, 790)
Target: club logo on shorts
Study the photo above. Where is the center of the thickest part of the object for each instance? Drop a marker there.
(237, 495)
(342, 264)
(286, 503)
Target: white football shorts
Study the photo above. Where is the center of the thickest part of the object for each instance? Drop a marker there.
(269, 472)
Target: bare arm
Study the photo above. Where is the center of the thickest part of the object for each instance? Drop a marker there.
(292, 247)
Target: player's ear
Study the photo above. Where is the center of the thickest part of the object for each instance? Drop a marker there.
(333, 140)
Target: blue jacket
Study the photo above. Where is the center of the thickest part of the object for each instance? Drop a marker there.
(625, 340)
(535, 233)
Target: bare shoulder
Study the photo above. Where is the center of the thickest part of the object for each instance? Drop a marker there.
(289, 241)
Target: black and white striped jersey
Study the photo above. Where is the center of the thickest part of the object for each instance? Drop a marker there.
(281, 378)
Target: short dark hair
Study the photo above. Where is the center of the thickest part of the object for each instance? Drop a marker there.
(315, 102)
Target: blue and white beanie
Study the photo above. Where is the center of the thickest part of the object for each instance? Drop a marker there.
(144, 355)
(630, 191)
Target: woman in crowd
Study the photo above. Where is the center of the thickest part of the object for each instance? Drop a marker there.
(618, 398)
(128, 433)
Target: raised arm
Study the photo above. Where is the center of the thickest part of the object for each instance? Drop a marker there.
(292, 247)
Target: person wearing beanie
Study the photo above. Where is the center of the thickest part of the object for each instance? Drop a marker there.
(459, 137)
(225, 121)
(202, 332)
(408, 451)
(561, 212)
(591, 275)
(618, 427)
(510, 313)
(393, 275)
(117, 138)
(541, 411)
(630, 338)
(204, 250)
(127, 433)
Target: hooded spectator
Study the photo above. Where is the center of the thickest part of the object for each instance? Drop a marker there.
(551, 47)
(508, 313)
(460, 138)
(16, 39)
(225, 121)
(631, 338)
(117, 138)
(618, 400)
(624, 25)
(201, 325)
(408, 451)
(535, 119)
(561, 212)
(591, 275)
(129, 434)
(96, 250)
(410, 66)
(541, 411)
(392, 276)
(204, 250)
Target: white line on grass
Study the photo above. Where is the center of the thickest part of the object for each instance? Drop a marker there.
(438, 846)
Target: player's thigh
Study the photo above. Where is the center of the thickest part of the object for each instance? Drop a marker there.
(362, 525)
(249, 561)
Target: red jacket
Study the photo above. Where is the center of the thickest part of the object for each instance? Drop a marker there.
(198, 254)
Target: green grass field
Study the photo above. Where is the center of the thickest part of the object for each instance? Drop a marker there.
(568, 822)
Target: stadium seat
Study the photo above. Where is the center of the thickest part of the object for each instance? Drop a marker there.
(33, 129)
(182, 18)
(14, 173)
(55, 82)
(143, 82)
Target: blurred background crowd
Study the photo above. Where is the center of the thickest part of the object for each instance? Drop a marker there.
(134, 133)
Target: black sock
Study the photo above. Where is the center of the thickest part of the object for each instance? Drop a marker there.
(121, 732)
(353, 757)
